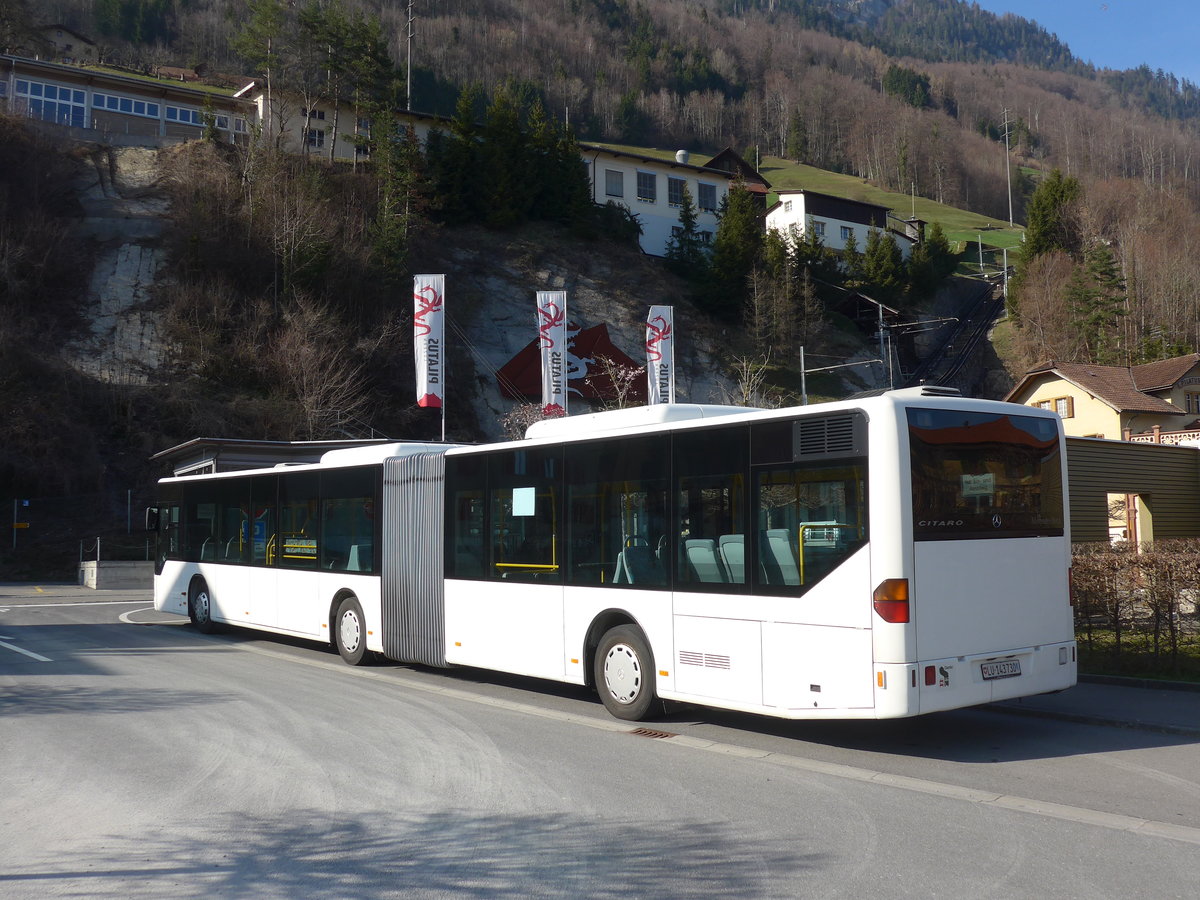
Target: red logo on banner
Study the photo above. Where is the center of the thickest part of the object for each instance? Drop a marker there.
(430, 400)
(552, 315)
(425, 305)
(659, 334)
(553, 411)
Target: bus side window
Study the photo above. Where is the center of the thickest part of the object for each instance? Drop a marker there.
(710, 487)
(262, 519)
(617, 512)
(348, 520)
(298, 510)
(524, 509)
(466, 485)
(810, 519)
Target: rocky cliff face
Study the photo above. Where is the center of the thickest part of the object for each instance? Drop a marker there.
(123, 214)
(491, 280)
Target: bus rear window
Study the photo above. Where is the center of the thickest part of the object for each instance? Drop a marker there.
(981, 475)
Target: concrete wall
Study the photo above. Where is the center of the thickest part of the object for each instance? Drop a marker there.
(116, 575)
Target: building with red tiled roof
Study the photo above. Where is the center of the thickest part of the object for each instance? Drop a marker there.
(1108, 401)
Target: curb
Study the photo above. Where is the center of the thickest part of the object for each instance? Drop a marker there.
(1086, 719)
(1145, 683)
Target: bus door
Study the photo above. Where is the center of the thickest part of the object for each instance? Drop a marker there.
(296, 546)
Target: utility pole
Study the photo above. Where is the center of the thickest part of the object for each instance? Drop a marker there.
(1008, 167)
(408, 74)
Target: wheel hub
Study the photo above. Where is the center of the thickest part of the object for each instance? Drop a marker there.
(350, 631)
(623, 673)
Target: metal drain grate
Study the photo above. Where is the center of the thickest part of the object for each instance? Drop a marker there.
(651, 733)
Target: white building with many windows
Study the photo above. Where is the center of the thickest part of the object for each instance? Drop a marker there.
(835, 219)
(652, 188)
(128, 109)
(121, 108)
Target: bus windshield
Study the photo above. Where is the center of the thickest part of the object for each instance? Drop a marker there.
(982, 475)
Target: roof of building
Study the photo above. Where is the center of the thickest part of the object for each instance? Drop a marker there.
(1163, 373)
(133, 84)
(657, 160)
(809, 193)
(231, 454)
(1118, 386)
(71, 31)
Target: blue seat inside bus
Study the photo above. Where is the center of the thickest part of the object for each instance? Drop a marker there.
(638, 565)
(703, 563)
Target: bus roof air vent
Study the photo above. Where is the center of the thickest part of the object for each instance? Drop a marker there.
(928, 390)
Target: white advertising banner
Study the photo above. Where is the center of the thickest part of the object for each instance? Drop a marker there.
(428, 338)
(552, 342)
(660, 355)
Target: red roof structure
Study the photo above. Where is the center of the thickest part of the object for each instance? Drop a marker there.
(521, 377)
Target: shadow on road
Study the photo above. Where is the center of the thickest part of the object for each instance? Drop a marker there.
(310, 853)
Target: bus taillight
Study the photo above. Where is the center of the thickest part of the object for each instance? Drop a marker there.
(891, 600)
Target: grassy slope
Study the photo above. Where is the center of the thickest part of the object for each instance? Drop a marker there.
(959, 224)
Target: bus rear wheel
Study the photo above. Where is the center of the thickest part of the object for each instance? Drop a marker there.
(624, 671)
(200, 608)
(350, 632)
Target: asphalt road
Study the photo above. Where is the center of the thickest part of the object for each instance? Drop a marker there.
(140, 758)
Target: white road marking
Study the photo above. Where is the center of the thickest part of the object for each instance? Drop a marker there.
(76, 603)
(124, 617)
(28, 653)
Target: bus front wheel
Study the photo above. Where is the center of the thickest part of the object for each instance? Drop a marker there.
(200, 608)
(625, 673)
(350, 632)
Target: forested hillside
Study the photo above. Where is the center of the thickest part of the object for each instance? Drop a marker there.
(286, 267)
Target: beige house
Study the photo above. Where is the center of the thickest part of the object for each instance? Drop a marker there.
(67, 46)
(1113, 401)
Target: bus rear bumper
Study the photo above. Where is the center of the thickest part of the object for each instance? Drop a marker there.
(957, 682)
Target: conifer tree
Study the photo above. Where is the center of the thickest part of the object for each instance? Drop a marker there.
(685, 252)
(504, 162)
(883, 266)
(736, 249)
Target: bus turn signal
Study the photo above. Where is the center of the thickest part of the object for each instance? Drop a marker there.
(891, 600)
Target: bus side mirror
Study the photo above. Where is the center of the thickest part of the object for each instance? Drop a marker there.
(152, 518)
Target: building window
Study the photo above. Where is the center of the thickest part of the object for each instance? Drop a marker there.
(51, 103)
(818, 228)
(707, 197)
(647, 187)
(787, 205)
(847, 233)
(1191, 402)
(614, 183)
(315, 137)
(675, 188)
(706, 238)
(317, 114)
(1064, 406)
(185, 116)
(125, 105)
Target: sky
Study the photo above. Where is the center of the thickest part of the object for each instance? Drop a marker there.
(1120, 34)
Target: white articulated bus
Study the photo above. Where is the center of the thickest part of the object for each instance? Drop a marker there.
(875, 558)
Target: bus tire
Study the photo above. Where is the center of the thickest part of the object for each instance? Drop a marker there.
(200, 607)
(350, 631)
(624, 672)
